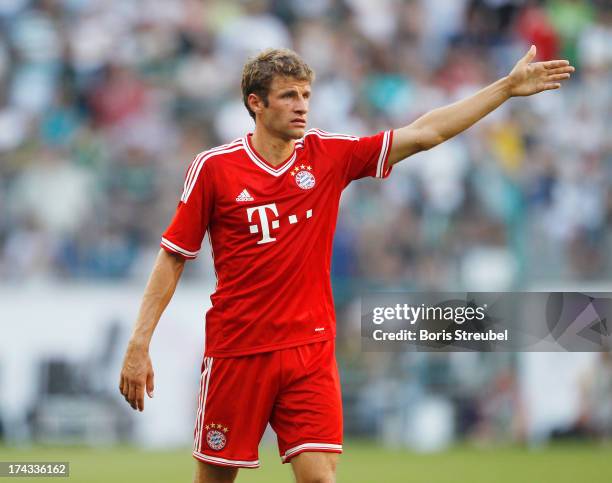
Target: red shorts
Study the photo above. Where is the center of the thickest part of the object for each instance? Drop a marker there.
(296, 390)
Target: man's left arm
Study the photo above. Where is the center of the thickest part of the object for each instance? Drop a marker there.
(437, 126)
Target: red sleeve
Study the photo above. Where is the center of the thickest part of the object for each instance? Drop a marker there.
(368, 156)
(185, 233)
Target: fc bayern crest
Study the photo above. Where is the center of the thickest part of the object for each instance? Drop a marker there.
(216, 436)
(303, 176)
(216, 439)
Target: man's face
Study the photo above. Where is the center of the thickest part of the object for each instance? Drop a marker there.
(287, 110)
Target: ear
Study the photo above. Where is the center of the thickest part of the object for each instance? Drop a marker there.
(255, 103)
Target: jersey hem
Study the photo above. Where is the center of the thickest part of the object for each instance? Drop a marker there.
(266, 348)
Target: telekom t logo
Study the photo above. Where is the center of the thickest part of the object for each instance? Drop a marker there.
(263, 218)
(263, 221)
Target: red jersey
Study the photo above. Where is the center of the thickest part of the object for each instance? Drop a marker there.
(271, 231)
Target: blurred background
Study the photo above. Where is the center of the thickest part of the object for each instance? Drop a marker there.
(103, 105)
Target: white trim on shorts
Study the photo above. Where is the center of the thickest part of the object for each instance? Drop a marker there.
(326, 447)
(203, 395)
(225, 462)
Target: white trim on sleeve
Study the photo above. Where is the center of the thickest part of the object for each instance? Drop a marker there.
(383, 155)
(323, 135)
(175, 248)
(198, 162)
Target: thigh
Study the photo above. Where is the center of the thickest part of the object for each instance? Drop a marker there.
(307, 413)
(235, 401)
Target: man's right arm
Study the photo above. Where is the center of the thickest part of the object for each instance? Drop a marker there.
(137, 371)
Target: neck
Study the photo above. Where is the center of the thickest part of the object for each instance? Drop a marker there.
(272, 148)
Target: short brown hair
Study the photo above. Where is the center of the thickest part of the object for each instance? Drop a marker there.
(259, 72)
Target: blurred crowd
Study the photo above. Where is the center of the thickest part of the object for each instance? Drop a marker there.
(103, 104)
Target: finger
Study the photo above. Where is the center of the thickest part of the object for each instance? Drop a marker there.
(557, 77)
(550, 86)
(132, 396)
(126, 391)
(150, 384)
(553, 64)
(561, 70)
(140, 398)
(121, 384)
(530, 55)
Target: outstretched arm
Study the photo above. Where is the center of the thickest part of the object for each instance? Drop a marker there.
(437, 126)
(137, 371)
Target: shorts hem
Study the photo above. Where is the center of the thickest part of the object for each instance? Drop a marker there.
(310, 447)
(214, 460)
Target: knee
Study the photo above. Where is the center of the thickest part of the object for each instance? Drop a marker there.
(322, 474)
(319, 478)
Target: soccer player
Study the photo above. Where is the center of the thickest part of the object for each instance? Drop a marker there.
(269, 203)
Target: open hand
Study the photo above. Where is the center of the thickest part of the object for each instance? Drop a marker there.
(528, 78)
(136, 376)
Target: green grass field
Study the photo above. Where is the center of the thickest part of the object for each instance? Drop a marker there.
(361, 463)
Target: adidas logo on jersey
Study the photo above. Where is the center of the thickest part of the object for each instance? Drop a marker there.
(244, 196)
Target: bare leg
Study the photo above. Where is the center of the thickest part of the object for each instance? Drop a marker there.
(315, 467)
(206, 473)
